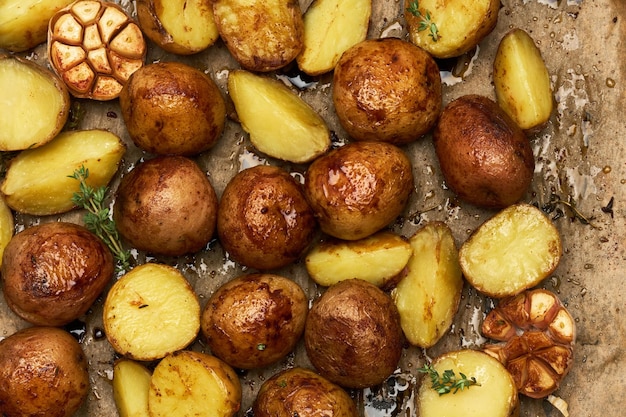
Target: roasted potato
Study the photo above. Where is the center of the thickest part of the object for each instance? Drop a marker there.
(180, 27)
(522, 81)
(95, 46)
(53, 272)
(189, 383)
(484, 156)
(353, 335)
(151, 312)
(330, 28)
(131, 383)
(387, 90)
(512, 251)
(303, 393)
(171, 108)
(493, 395)
(451, 28)
(428, 296)
(262, 35)
(379, 259)
(7, 226)
(264, 220)
(254, 320)
(39, 181)
(167, 206)
(358, 189)
(43, 372)
(280, 123)
(35, 104)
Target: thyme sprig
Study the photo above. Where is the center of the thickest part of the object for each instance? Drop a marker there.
(448, 381)
(552, 207)
(98, 217)
(426, 22)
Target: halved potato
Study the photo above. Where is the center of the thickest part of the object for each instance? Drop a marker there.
(34, 104)
(180, 27)
(131, 383)
(330, 28)
(189, 383)
(522, 81)
(428, 296)
(151, 312)
(459, 25)
(279, 122)
(37, 181)
(378, 259)
(512, 251)
(7, 226)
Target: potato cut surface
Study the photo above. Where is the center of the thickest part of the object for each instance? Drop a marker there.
(131, 383)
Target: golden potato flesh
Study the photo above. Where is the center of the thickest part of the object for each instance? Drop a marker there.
(171, 108)
(522, 81)
(303, 393)
(387, 90)
(459, 25)
(262, 35)
(34, 105)
(254, 320)
(514, 250)
(43, 372)
(358, 189)
(53, 272)
(484, 156)
(131, 383)
(7, 226)
(95, 46)
(180, 27)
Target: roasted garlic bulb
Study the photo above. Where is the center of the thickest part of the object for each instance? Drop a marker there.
(536, 335)
(94, 47)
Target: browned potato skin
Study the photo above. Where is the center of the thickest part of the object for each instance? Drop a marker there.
(358, 189)
(303, 393)
(171, 108)
(485, 157)
(353, 335)
(387, 89)
(53, 272)
(166, 206)
(254, 320)
(264, 220)
(43, 372)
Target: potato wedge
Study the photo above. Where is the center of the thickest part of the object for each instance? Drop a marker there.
(330, 28)
(24, 23)
(522, 81)
(279, 122)
(180, 27)
(189, 383)
(151, 312)
(37, 181)
(378, 259)
(34, 105)
(494, 396)
(459, 25)
(131, 383)
(7, 226)
(262, 35)
(428, 296)
(512, 251)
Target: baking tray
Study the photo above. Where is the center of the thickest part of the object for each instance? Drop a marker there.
(580, 156)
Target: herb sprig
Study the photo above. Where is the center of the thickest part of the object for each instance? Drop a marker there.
(426, 22)
(98, 217)
(448, 381)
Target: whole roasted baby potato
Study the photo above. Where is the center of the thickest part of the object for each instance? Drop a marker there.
(53, 272)
(167, 206)
(264, 220)
(387, 90)
(303, 393)
(171, 108)
(254, 320)
(43, 372)
(485, 158)
(358, 189)
(353, 335)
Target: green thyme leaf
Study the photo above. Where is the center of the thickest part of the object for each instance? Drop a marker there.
(448, 381)
(426, 22)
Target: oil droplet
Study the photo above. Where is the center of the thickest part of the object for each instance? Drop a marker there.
(610, 82)
(606, 169)
(78, 329)
(588, 266)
